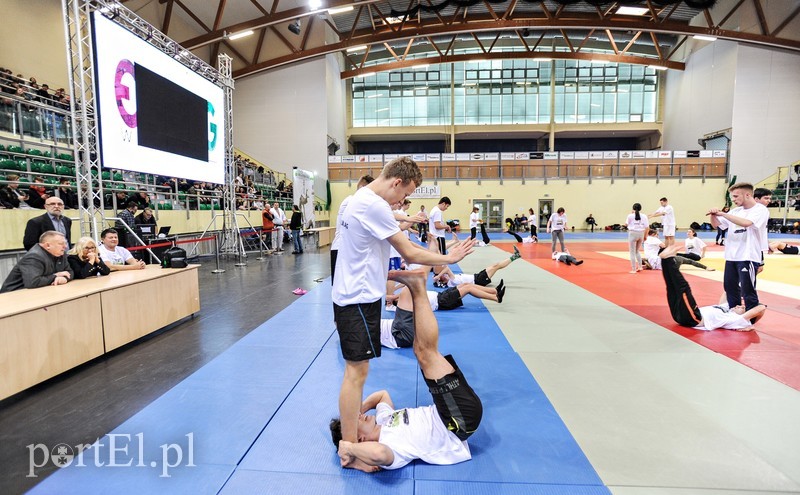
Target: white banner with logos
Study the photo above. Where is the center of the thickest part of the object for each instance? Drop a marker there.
(303, 188)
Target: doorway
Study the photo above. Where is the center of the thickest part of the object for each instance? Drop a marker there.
(545, 210)
(491, 212)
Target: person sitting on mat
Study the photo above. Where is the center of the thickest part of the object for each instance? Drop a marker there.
(436, 434)
(446, 277)
(567, 258)
(685, 311)
(783, 247)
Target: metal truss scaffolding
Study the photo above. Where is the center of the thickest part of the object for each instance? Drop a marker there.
(80, 56)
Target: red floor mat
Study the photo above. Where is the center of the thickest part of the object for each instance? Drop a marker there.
(774, 349)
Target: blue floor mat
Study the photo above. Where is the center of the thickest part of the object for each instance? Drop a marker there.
(258, 418)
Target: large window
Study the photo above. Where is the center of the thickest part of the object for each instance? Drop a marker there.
(506, 92)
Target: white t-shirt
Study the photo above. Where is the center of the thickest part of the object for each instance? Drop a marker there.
(694, 245)
(651, 246)
(419, 433)
(461, 278)
(745, 243)
(433, 299)
(337, 238)
(715, 317)
(473, 220)
(532, 221)
(669, 215)
(387, 339)
(119, 256)
(363, 257)
(558, 222)
(637, 225)
(392, 251)
(436, 216)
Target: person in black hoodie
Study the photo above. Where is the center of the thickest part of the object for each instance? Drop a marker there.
(296, 226)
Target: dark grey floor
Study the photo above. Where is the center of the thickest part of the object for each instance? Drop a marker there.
(82, 405)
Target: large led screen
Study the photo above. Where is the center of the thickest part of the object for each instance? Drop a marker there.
(155, 115)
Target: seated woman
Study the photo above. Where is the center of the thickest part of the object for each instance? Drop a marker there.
(695, 248)
(85, 261)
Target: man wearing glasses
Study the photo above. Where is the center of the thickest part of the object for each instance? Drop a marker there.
(52, 220)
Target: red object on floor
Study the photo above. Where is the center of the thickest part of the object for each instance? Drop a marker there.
(773, 349)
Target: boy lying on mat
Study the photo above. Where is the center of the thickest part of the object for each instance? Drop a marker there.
(685, 311)
(438, 433)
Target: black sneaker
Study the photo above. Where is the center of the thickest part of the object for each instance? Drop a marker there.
(500, 285)
(579, 262)
(500, 293)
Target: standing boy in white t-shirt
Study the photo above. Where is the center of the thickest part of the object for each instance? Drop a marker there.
(437, 227)
(746, 224)
(368, 228)
(666, 211)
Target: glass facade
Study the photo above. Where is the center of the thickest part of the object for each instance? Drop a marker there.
(506, 92)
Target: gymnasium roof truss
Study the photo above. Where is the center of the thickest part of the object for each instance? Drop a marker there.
(405, 33)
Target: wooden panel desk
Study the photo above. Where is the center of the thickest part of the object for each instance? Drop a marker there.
(50, 330)
(325, 235)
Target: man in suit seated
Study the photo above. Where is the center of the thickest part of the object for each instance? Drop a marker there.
(52, 220)
(44, 264)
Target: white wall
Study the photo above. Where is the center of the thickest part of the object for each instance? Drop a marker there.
(337, 126)
(699, 100)
(32, 41)
(766, 112)
(281, 118)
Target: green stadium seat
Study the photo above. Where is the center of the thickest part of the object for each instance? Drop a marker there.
(22, 165)
(106, 175)
(165, 206)
(46, 154)
(118, 176)
(51, 180)
(36, 167)
(2, 148)
(34, 152)
(48, 169)
(15, 149)
(24, 179)
(62, 170)
(8, 164)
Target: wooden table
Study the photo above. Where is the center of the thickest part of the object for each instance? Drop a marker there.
(50, 330)
(325, 235)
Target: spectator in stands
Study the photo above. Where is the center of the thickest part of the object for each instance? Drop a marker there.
(9, 196)
(44, 94)
(67, 195)
(37, 193)
(145, 218)
(296, 225)
(141, 198)
(85, 261)
(52, 220)
(128, 217)
(116, 257)
(44, 264)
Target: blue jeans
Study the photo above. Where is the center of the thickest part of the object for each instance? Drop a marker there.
(740, 282)
(298, 244)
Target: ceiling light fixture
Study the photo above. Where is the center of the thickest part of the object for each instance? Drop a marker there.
(627, 10)
(240, 34)
(339, 10)
(356, 48)
(704, 37)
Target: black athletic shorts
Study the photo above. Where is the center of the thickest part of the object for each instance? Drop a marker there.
(458, 405)
(449, 299)
(481, 278)
(359, 327)
(789, 250)
(442, 245)
(403, 328)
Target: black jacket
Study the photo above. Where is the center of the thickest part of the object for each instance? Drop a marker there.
(39, 225)
(36, 268)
